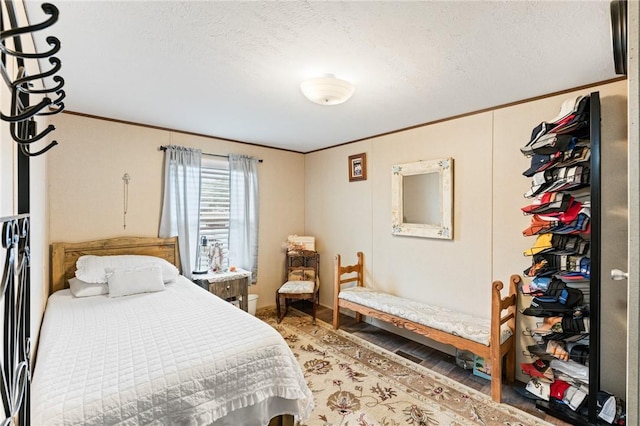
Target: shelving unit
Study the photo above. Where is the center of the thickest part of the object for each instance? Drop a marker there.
(587, 413)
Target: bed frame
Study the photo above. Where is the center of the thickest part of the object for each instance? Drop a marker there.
(494, 352)
(65, 255)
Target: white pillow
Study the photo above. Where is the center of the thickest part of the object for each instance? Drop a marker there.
(82, 289)
(134, 280)
(92, 269)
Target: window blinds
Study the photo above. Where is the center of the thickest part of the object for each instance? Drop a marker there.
(214, 202)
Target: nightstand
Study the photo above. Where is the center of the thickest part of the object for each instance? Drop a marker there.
(230, 286)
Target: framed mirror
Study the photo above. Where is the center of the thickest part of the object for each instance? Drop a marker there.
(422, 199)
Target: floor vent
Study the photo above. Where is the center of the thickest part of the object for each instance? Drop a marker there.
(409, 356)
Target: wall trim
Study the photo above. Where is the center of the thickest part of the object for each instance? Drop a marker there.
(455, 117)
(480, 111)
(167, 129)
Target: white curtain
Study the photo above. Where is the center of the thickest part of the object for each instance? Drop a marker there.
(244, 213)
(181, 202)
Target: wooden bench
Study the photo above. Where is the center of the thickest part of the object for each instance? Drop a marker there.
(500, 328)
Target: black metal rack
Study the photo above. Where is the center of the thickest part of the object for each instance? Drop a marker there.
(552, 407)
(27, 102)
(15, 300)
(21, 116)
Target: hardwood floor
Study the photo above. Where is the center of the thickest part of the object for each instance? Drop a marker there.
(433, 359)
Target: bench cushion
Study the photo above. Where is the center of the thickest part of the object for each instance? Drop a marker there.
(463, 325)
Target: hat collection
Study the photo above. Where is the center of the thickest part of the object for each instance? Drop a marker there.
(559, 207)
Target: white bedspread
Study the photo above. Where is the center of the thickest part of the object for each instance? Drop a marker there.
(181, 356)
(463, 325)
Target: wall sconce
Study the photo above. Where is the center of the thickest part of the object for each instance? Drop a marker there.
(125, 195)
(327, 90)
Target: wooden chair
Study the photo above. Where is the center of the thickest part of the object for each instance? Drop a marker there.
(344, 274)
(302, 275)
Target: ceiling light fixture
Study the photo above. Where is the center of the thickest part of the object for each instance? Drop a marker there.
(327, 90)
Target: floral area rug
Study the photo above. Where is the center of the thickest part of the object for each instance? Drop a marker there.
(357, 383)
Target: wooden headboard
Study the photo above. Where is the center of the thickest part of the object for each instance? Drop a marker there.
(65, 255)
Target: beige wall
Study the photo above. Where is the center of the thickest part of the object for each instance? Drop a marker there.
(86, 188)
(311, 194)
(355, 216)
(514, 124)
(488, 193)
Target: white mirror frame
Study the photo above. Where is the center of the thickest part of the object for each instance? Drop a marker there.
(444, 169)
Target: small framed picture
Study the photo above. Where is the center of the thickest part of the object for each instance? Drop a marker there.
(358, 167)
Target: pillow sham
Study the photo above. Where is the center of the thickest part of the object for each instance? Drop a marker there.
(296, 275)
(309, 274)
(80, 288)
(134, 280)
(92, 269)
(304, 274)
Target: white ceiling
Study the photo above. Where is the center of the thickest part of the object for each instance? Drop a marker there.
(233, 69)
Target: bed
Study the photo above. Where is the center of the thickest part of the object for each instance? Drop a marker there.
(179, 356)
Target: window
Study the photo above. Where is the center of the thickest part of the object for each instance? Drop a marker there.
(229, 223)
(214, 202)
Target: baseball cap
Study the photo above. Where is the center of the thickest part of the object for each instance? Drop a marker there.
(565, 216)
(575, 124)
(558, 244)
(575, 220)
(548, 324)
(558, 389)
(539, 183)
(576, 325)
(549, 350)
(573, 105)
(571, 368)
(537, 132)
(574, 397)
(609, 407)
(537, 286)
(580, 225)
(543, 243)
(558, 299)
(573, 117)
(559, 179)
(541, 162)
(540, 369)
(578, 352)
(580, 272)
(539, 388)
(549, 202)
(567, 178)
(540, 225)
(579, 154)
(550, 143)
(542, 265)
(570, 244)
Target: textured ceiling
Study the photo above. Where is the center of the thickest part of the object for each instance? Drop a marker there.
(233, 69)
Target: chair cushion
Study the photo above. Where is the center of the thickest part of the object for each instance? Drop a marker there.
(297, 287)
